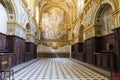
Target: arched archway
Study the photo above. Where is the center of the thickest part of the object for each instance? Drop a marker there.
(7, 14)
(10, 9)
(104, 21)
(78, 32)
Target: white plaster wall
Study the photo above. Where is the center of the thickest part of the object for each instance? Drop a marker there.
(22, 15)
(3, 19)
(20, 32)
(44, 49)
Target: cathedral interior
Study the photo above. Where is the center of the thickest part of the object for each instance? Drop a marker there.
(59, 39)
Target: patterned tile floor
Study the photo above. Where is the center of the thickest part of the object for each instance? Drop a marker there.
(57, 69)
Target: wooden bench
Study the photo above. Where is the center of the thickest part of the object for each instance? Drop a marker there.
(5, 70)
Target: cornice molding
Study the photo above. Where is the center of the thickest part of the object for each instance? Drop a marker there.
(15, 22)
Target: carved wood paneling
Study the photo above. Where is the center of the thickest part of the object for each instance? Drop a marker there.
(2, 42)
(16, 45)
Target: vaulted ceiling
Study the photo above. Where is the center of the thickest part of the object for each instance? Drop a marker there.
(55, 19)
(71, 7)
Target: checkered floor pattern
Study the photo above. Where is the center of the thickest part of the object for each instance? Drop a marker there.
(57, 69)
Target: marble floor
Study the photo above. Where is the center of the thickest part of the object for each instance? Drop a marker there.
(57, 69)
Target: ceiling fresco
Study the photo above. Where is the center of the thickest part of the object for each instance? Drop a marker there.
(55, 20)
(54, 24)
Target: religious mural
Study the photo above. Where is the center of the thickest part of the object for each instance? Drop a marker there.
(54, 24)
(90, 14)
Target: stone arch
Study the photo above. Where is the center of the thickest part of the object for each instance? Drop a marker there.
(113, 4)
(103, 19)
(78, 31)
(10, 9)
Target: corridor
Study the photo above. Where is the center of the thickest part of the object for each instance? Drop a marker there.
(57, 69)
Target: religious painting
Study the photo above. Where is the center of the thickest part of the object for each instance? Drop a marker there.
(54, 24)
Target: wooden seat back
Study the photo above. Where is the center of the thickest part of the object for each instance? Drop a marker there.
(4, 63)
